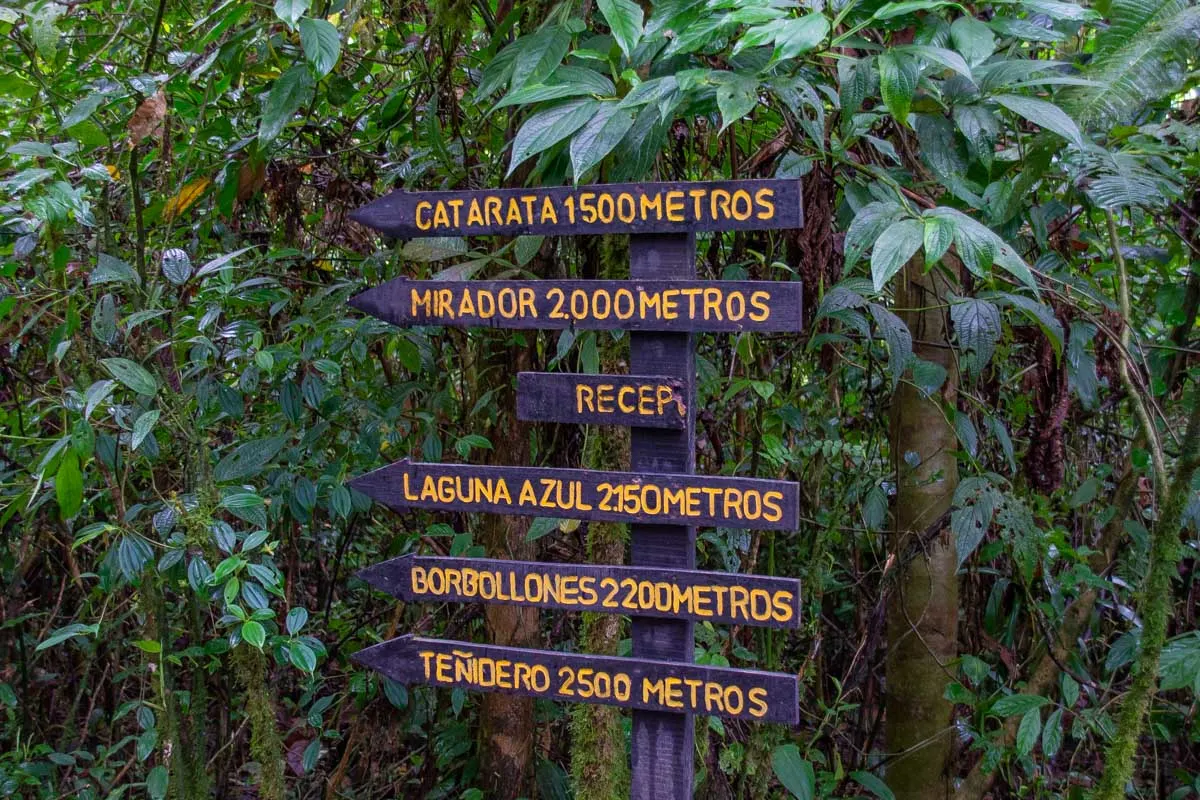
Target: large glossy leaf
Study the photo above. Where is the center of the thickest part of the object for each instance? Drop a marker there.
(539, 55)
(624, 18)
(737, 96)
(248, 459)
(1040, 112)
(290, 11)
(599, 137)
(973, 39)
(794, 772)
(322, 45)
(547, 128)
(898, 338)
(977, 325)
(896, 245)
(898, 75)
(290, 91)
(796, 36)
(133, 376)
(870, 221)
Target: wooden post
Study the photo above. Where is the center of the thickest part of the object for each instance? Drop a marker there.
(663, 743)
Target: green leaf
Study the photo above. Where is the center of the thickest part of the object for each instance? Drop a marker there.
(68, 485)
(795, 773)
(547, 128)
(82, 110)
(1040, 112)
(67, 632)
(868, 223)
(157, 782)
(322, 45)
(112, 270)
(892, 10)
(973, 39)
(290, 11)
(176, 266)
(1052, 733)
(131, 375)
(624, 18)
(302, 656)
(1179, 666)
(1027, 732)
(898, 75)
(539, 92)
(253, 633)
(538, 55)
(255, 540)
(541, 526)
(939, 234)
(1013, 704)
(898, 338)
(796, 36)
(977, 325)
(248, 459)
(975, 502)
(42, 30)
(874, 784)
(296, 619)
(142, 427)
(942, 57)
(737, 96)
(894, 247)
(598, 137)
(290, 91)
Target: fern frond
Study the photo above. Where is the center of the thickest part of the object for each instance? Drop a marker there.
(1139, 60)
(1116, 180)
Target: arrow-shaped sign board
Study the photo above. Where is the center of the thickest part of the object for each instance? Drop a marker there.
(715, 597)
(583, 678)
(644, 401)
(669, 499)
(649, 305)
(596, 208)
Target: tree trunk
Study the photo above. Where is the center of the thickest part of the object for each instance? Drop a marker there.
(506, 721)
(599, 758)
(923, 612)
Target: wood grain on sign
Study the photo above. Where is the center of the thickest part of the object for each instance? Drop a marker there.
(716, 597)
(663, 743)
(581, 678)
(634, 305)
(671, 499)
(648, 401)
(600, 208)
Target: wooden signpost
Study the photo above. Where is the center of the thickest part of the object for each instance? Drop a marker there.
(662, 305)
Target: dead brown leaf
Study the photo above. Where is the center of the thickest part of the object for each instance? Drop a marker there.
(147, 120)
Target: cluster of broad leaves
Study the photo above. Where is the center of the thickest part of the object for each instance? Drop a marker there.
(184, 393)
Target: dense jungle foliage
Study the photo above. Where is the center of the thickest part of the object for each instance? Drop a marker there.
(991, 410)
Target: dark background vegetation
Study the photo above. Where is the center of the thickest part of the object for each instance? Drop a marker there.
(988, 409)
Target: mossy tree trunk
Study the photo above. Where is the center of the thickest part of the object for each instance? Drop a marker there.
(1156, 604)
(922, 615)
(506, 721)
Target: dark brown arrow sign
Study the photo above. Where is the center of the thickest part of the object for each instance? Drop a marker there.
(644, 591)
(586, 494)
(583, 678)
(644, 401)
(601, 208)
(649, 305)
